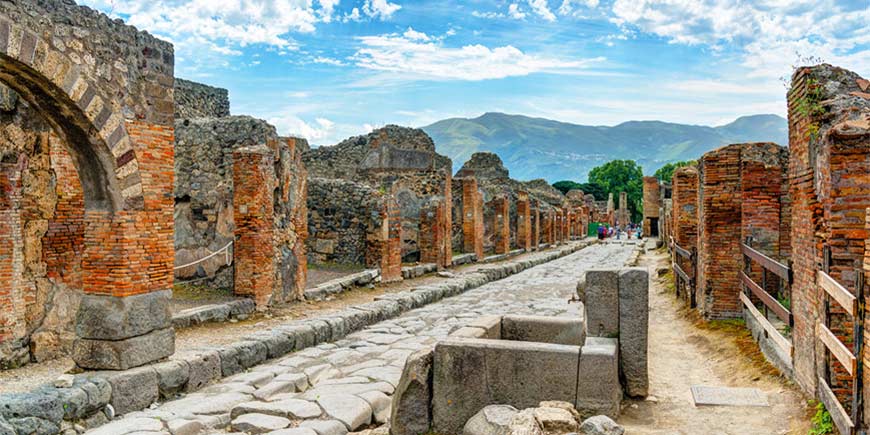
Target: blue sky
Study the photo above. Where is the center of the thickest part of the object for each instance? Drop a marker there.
(329, 69)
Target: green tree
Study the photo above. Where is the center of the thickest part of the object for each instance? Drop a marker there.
(622, 176)
(666, 172)
(567, 185)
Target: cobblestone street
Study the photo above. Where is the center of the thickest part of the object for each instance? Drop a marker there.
(346, 386)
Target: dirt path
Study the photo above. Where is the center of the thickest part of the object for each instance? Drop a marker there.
(683, 352)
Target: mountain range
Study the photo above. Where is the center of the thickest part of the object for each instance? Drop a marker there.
(542, 148)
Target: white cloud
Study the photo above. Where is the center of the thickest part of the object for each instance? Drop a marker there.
(292, 125)
(487, 15)
(767, 34)
(567, 7)
(515, 12)
(327, 61)
(354, 15)
(415, 35)
(433, 61)
(541, 8)
(382, 9)
(326, 9)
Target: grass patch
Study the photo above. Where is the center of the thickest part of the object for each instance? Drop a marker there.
(736, 330)
(822, 422)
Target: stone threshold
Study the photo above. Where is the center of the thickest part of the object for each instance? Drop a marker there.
(54, 409)
(239, 309)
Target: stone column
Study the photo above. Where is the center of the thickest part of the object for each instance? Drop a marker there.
(535, 217)
(253, 208)
(524, 233)
(384, 241)
(432, 240)
(651, 204)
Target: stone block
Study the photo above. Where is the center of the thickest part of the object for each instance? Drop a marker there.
(602, 303)
(118, 318)
(523, 374)
(491, 420)
(490, 324)
(411, 412)
(124, 354)
(553, 330)
(172, 376)
(633, 330)
(325, 427)
(240, 356)
(598, 387)
(133, 390)
(351, 410)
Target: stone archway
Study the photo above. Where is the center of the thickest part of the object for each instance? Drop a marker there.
(106, 90)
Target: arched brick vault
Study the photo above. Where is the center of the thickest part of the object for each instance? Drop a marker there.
(107, 90)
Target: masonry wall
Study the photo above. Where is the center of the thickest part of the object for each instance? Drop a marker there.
(830, 192)
(196, 100)
(733, 204)
(685, 216)
(468, 226)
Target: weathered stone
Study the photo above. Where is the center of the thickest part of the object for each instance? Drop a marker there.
(290, 408)
(524, 423)
(295, 431)
(411, 411)
(599, 361)
(259, 423)
(600, 425)
(203, 368)
(633, 330)
(241, 355)
(185, 427)
(124, 354)
(172, 376)
(553, 330)
(602, 303)
(5, 427)
(491, 324)
(133, 390)
(206, 404)
(524, 373)
(555, 420)
(114, 318)
(350, 410)
(325, 427)
(129, 425)
(491, 420)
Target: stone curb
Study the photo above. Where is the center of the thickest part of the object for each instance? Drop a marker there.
(409, 272)
(84, 405)
(238, 309)
(345, 283)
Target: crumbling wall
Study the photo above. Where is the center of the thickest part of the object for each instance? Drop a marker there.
(467, 216)
(651, 204)
(685, 215)
(204, 194)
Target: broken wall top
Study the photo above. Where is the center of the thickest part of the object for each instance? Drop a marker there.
(196, 100)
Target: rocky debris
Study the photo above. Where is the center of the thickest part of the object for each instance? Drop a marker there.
(491, 420)
(64, 381)
(484, 166)
(600, 425)
(556, 420)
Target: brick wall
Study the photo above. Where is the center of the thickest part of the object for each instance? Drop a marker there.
(535, 218)
(63, 243)
(434, 244)
(685, 214)
(471, 216)
(735, 202)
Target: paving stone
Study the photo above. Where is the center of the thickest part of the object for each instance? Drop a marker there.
(185, 427)
(256, 379)
(259, 423)
(295, 431)
(387, 374)
(206, 404)
(325, 427)
(299, 380)
(290, 408)
(350, 410)
(274, 388)
(128, 425)
(326, 390)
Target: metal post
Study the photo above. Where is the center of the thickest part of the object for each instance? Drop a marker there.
(858, 338)
(826, 266)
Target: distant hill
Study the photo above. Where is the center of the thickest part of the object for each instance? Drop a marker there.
(542, 148)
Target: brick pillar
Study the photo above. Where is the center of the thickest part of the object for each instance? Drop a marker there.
(384, 241)
(741, 187)
(524, 227)
(127, 263)
(13, 348)
(651, 204)
(685, 214)
(501, 225)
(253, 208)
(535, 217)
(432, 234)
(472, 218)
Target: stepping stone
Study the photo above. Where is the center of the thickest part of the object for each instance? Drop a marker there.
(380, 403)
(350, 410)
(325, 427)
(259, 423)
(290, 408)
(724, 396)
